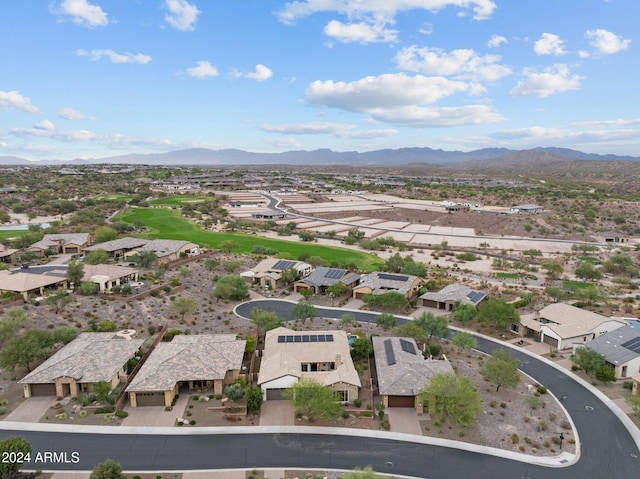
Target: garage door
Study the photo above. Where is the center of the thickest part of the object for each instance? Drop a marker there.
(401, 401)
(551, 341)
(149, 399)
(43, 389)
(275, 394)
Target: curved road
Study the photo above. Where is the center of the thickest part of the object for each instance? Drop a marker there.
(608, 450)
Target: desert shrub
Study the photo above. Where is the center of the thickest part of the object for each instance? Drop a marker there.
(122, 414)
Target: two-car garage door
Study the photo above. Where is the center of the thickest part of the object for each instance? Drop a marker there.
(401, 401)
(275, 394)
(43, 389)
(150, 399)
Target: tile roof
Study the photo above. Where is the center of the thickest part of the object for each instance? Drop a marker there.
(53, 240)
(385, 282)
(89, 358)
(164, 247)
(324, 276)
(405, 374)
(455, 293)
(612, 345)
(119, 244)
(189, 358)
(109, 270)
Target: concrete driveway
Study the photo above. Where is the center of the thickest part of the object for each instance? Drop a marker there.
(404, 420)
(277, 413)
(32, 409)
(155, 416)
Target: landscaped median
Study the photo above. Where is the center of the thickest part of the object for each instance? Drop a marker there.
(170, 224)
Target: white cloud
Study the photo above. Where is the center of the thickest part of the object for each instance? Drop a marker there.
(62, 135)
(82, 13)
(361, 32)
(71, 114)
(555, 79)
(461, 63)
(182, 15)
(384, 91)
(13, 100)
(44, 125)
(203, 69)
(606, 42)
(496, 40)
(429, 117)
(549, 44)
(292, 11)
(261, 73)
(118, 141)
(537, 135)
(618, 122)
(338, 130)
(96, 55)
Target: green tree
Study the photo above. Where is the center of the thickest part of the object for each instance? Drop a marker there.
(228, 245)
(497, 313)
(386, 321)
(105, 233)
(265, 320)
(588, 360)
(144, 259)
(101, 389)
(452, 396)
(621, 264)
(87, 288)
(11, 323)
(231, 287)
(234, 391)
(59, 300)
(501, 369)
(254, 399)
(24, 350)
(394, 264)
(361, 348)
(211, 264)
(532, 253)
(606, 374)
(366, 473)
(553, 268)
(65, 334)
(75, 273)
(338, 289)
(386, 301)
(184, 306)
(313, 400)
(633, 400)
(108, 469)
(410, 329)
(288, 276)
(591, 296)
(306, 293)
(556, 293)
(437, 326)
(587, 271)
(98, 256)
(303, 311)
(306, 236)
(464, 340)
(413, 268)
(464, 312)
(347, 319)
(15, 444)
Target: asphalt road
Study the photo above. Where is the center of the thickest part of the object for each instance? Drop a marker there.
(608, 451)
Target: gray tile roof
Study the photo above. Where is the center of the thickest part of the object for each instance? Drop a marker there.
(384, 282)
(119, 244)
(165, 247)
(455, 293)
(53, 240)
(89, 358)
(189, 357)
(324, 276)
(610, 345)
(406, 373)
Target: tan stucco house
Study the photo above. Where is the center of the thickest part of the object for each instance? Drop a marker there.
(268, 272)
(323, 356)
(380, 283)
(71, 243)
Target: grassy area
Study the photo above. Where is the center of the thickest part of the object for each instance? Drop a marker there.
(573, 285)
(112, 197)
(7, 234)
(178, 200)
(507, 275)
(589, 259)
(169, 224)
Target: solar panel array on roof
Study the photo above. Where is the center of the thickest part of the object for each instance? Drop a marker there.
(335, 273)
(284, 264)
(392, 277)
(388, 349)
(407, 346)
(306, 338)
(632, 345)
(475, 296)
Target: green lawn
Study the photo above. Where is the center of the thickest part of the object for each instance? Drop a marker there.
(112, 197)
(5, 234)
(508, 275)
(169, 224)
(589, 259)
(573, 285)
(178, 200)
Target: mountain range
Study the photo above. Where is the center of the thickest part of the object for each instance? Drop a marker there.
(385, 157)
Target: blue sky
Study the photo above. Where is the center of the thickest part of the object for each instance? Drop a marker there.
(96, 78)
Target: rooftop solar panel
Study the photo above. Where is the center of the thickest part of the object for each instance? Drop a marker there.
(284, 264)
(407, 346)
(388, 349)
(335, 273)
(393, 277)
(632, 345)
(475, 296)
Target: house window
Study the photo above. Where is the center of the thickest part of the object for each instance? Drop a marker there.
(304, 367)
(342, 396)
(515, 328)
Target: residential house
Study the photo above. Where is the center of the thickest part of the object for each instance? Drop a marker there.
(452, 295)
(268, 273)
(167, 250)
(403, 372)
(78, 366)
(199, 362)
(269, 215)
(323, 277)
(118, 248)
(621, 349)
(635, 388)
(8, 255)
(380, 283)
(324, 356)
(106, 276)
(34, 280)
(562, 326)
(611, 237)
(72, 243)
(528, 209)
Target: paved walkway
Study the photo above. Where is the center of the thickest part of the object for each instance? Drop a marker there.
(32, 409)
(354, 304)
(155, 415)
(276, 413)
(404, 420)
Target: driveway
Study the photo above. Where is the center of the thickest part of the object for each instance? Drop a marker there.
(277, 413)
(155, 415)
(404, 420)
(32, 409)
